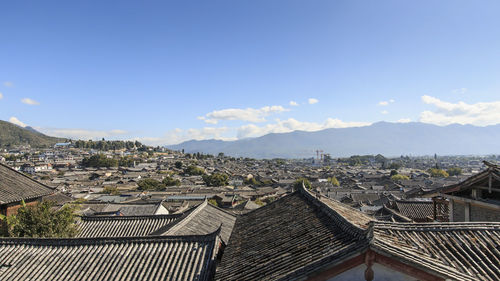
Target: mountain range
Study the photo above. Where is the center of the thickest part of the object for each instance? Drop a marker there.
(11, 135)
(388, 139)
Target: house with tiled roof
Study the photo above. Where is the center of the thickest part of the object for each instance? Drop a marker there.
(477, 198)
(16, 187)
(190, 258)
(305, 236)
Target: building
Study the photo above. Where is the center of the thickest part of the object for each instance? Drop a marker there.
(477, 198)
(304, 236)
(16, 187)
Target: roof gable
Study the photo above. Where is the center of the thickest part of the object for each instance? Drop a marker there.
(15, 186)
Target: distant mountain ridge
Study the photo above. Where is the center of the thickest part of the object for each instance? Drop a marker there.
(389, 139)
(12, 135)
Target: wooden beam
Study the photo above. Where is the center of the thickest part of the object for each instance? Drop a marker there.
(489, 184)
(472, 201)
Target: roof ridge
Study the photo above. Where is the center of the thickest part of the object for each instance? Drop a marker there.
(339, 219)
(98, 218)
(30, 178)
(441, 226)
(187, 218)
(269, 204)
(109, 240)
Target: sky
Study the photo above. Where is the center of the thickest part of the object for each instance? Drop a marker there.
(163, 72)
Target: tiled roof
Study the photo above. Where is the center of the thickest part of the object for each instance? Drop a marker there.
(125, 209)
(15, 186)
(203, 219)
(461, 251)
(287, 239)
(123, 226)
(416, 210)
(302, 234)
(144, 258)
(365, 197)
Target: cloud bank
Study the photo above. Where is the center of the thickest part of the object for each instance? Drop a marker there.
(445, 113)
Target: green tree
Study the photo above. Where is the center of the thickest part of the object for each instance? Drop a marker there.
(454, 171)
(213, 202)
(169, 181)
(42, 220)
(194, 171)
(150, 185)
(110, 190)
(99, 160)
(178, 165)
(298, 183)
(216, 179)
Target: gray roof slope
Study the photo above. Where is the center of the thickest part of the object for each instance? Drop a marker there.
(144, 258)
(123, 226)
(461, 251)
(203, 219)
(286, 240)
(303, 233)
(15, 186)
(419, 210)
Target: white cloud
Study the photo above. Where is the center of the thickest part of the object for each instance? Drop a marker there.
(404, 120)
(30, 101)
(293, 103)
(386, 103)
(80, 133)
(179, 135)
(250, 130)
(8, 84)
(17, 122)
(479, 114)
(312, 101)
(248, 114)
(1, 96)
(384, 112)
(290, 125)
(459, 91)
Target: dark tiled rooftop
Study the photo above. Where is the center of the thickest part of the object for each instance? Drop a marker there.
(15, 186)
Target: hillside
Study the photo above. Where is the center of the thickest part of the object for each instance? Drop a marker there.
(389, 139)
(12, 135)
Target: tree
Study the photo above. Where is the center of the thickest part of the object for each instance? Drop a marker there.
(438, 173)
(150, 184)
(454, 171)
(393, 173)
(398, 177)
(99, 160)
(194, 171)
(394, 166)
(213, 202)
(216, 179)
(42, 220)
(169, 181)
(178, 165)
(110, 190)
(333, 180)
(298, 183)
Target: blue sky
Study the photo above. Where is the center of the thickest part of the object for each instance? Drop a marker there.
(167, 71)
